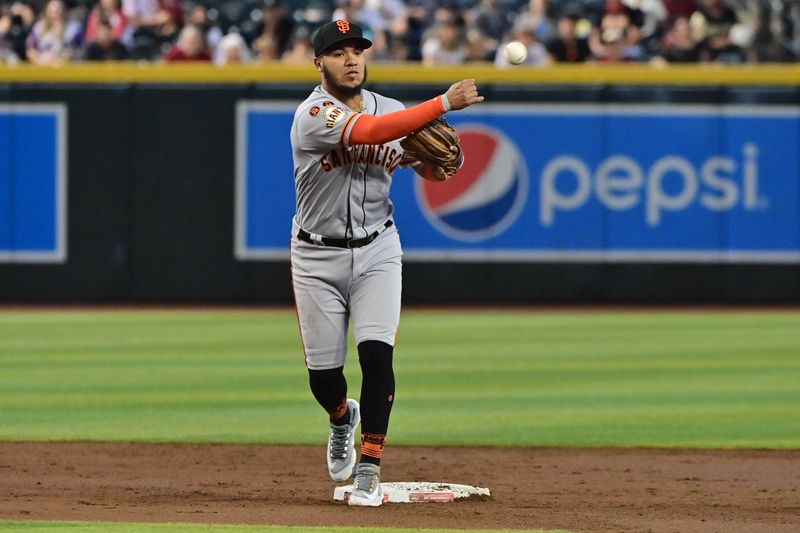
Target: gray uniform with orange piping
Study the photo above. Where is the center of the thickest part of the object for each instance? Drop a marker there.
(345, 249)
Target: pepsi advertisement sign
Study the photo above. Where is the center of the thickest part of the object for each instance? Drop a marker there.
(568, 183)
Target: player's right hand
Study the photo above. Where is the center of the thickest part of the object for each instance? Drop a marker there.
(463, 94)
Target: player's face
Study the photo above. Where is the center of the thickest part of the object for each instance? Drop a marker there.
(344, 69)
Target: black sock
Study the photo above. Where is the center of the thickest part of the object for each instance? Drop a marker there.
(377, 397)
(329, 387)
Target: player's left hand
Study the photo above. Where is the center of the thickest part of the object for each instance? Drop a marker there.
(436, 145)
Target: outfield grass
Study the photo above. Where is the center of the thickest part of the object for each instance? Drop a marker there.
(115, 527)
(678, 379)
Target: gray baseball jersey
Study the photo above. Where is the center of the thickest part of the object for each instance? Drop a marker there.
(343, 193)
(342, 190)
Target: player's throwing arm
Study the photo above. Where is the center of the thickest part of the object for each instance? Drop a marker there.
(434, 151)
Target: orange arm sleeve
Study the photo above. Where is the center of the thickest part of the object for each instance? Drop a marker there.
(373, 129)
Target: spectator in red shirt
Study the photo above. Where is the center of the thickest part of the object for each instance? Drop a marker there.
(191, 46)
(111, 11)
(105, 47)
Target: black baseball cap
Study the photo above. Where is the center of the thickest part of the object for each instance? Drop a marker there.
(336, 32)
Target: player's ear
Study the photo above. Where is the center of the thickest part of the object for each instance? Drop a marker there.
(318, 64)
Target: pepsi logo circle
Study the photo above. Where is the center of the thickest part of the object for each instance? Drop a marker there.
(488, 193)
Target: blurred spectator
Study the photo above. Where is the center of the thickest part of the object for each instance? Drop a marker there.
(443, 13)
(377, 18)
(54, 38)
(480, 46)
(537, 53)
(105, 46)
(315, 14)
(486, 26)
(265, 48)
(155, 24)
(408, 34)
(653, 16)
(380, 49)
(373, 14)
(7, 55)
(491, 20)
(680, 8)
(111, 12)
(387, 10)
(450, 32)
(15, 24)
(402, 29)
(400, 48)
(274, 30)
(538, 15)
(711, 27)
(616, 33)
(300, 50)
(232, 49)
(350, 10)
(396, 31)
(678, 45)
(791, 24)
(446, 46)
(567, 46)
(198, 17)
(777, 35)
(191, 46)
(370, 21)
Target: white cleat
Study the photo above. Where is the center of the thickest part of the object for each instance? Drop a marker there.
(342, 445)
(367, 491)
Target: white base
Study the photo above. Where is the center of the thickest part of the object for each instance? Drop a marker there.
(418, 492)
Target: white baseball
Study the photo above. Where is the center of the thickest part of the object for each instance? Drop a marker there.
(515, 52)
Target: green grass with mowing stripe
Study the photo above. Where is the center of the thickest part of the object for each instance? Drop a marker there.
(117, 527)
(693, 379)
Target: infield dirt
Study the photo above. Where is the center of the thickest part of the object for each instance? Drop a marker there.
(611, 490)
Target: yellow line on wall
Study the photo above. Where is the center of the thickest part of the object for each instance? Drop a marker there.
(408, 73)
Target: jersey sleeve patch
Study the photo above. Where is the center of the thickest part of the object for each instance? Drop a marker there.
(333, 115)
(314, 110)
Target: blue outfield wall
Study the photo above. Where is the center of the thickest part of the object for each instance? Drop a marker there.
(33, 183)
(586, 193)
(574, 183)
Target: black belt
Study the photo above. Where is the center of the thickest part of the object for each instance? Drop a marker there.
(303, 235)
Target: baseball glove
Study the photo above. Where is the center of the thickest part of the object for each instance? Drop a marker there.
(437, 145)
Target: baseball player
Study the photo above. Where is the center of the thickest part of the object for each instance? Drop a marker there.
(345, 249)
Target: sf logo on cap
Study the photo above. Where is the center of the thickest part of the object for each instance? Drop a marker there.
(343, 26)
